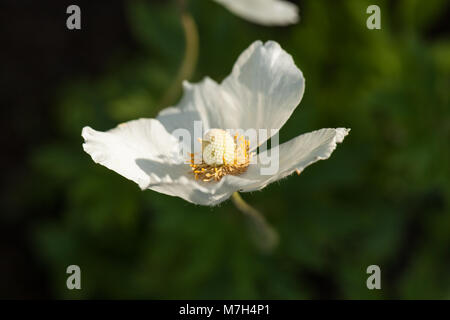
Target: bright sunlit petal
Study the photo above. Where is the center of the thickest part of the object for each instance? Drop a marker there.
(264, 12)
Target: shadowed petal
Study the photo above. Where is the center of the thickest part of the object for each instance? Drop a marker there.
(177, 180)
(295, 155)
(144, 152)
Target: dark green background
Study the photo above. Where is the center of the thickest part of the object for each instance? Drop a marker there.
(382, 198)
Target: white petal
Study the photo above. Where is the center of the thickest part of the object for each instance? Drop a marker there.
(262, 91)
(205, 101)
(297, 154)
(265, 12)
(266, 86)
(177, 180)
(175, 118)
(119, 149)
(144, 152)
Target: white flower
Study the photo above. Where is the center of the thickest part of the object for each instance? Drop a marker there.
(265, 12)
(262, 91)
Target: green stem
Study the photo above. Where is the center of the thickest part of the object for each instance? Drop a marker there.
(189, 63)
(265, 236)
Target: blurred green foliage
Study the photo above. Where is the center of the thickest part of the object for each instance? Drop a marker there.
(382, 198)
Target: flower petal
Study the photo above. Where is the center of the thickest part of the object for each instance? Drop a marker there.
(262, 91)
(295, 155)
(119, 148)
(205, 101)
(265, 12)
(177, 180)
(144, 152)
(266, 86)
(174, 119)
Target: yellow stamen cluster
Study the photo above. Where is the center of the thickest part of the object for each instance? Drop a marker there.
(216, 171)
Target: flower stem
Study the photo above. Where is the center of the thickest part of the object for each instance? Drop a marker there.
(189, 63)
(265, 236)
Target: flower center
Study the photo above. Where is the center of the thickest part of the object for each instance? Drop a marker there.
(218, 147)
(222, 154)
